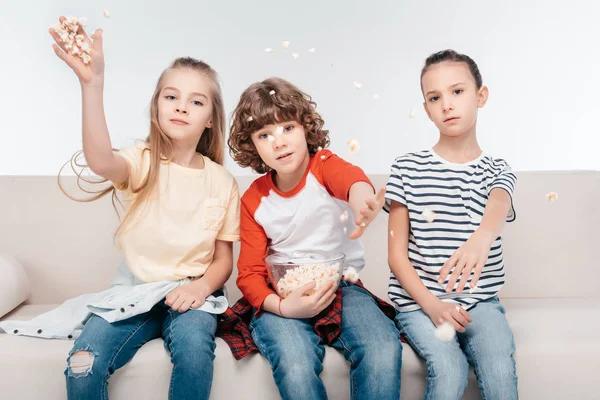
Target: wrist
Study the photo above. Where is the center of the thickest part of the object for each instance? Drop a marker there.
(486, 235)
(95, 84)
(429, 304)
(201, 287)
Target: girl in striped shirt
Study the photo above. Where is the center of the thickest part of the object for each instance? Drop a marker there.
(448, 206)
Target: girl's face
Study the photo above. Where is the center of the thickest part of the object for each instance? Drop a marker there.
(452, 98)
(184, 105)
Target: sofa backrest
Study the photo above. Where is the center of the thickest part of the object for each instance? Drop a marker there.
(67, 247)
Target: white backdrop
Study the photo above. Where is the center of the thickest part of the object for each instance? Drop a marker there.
(539, 59)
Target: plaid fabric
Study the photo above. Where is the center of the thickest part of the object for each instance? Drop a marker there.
(234, 323)
(233, 329)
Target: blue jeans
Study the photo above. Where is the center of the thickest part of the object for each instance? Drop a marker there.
(189, 338)
(487, 345)
(369, 339)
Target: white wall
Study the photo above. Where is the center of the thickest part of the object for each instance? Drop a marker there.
(539, 59)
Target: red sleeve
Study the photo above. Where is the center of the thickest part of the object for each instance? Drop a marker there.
(337, 175)
(252, 271)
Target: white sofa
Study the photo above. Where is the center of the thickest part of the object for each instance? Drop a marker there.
(551, 294)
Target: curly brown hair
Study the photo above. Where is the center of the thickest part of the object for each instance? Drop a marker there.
(272, 101)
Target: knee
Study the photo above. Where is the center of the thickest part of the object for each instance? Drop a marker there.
(449, 372)
(302, 363)
(382, 357)
(81, 364)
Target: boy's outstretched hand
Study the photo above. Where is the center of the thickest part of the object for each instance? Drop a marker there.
(368, 213)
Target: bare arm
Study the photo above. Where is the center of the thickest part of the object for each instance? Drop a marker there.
(97, 147)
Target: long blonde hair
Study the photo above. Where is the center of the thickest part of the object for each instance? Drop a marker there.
(211, 144)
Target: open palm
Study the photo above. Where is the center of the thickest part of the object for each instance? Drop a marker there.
(87, 73)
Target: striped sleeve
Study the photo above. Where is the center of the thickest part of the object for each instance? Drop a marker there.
(505, 179)
(394, 189)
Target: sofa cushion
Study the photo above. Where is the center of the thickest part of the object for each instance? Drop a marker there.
(554, 338)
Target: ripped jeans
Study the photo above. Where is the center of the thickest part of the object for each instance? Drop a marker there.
(102, 348)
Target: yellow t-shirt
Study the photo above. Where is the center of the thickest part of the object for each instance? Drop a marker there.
(173, 235)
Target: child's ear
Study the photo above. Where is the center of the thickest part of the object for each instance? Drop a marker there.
(209, 124)
(482, 96)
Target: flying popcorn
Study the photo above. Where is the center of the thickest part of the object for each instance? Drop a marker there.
(375, 96)
(311, 50)
(279, 131)
(106, 14)
(392, 233)
(295, 55)
(552, 197)
(445, 332)
(285, 44)
(473, 289)
(269, 50)
(428, 215)
(351, 275)
(272, 92)
(344, 217)
(319, 148)
(250, 119)
(271, 138)
(354, 146)
(412, 113)
(323, 157)
(357, 85)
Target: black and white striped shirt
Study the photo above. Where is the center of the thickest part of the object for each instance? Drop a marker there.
(457, 194)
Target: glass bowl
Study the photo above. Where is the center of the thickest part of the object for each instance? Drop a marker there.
(288, 272)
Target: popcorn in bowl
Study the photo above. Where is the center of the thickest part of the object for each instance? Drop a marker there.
(290, 272)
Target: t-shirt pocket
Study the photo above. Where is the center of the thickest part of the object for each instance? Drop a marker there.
(475, 202)
(214, 214)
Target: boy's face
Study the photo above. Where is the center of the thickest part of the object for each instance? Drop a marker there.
(282, 146)
(452, 98)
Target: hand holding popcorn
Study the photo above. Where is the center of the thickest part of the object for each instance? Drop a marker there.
(75, 48)
(308, 301)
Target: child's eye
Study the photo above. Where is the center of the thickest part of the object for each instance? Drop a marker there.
(262, 135)
(170, 97)
(197, 103)
(434, 99)
(289, 128)
(458, 91)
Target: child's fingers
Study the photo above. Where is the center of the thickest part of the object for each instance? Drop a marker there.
(320, 292)
(303, 290)
(459, 317)
(358, 232)
(60, 54)
(170, 299)
(98, 41)
(477, 273)
(381, 195)
(177, 303)
(450, 319)
(448, 265)
(460, 264)
(466, 274)
(183, 307)
(327, 298)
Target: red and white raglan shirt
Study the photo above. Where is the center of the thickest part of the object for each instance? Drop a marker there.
(305, 218)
